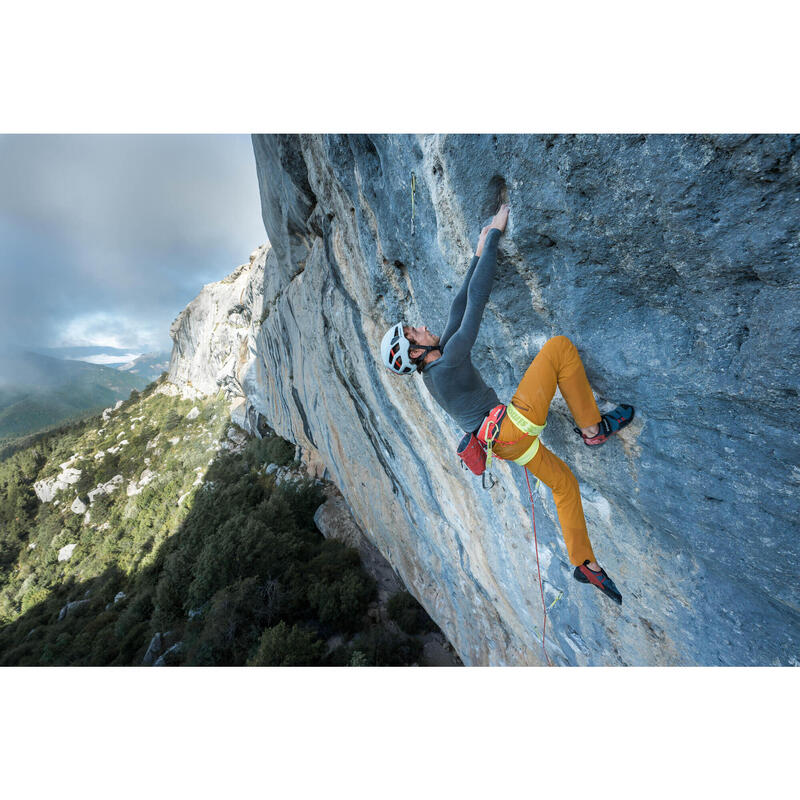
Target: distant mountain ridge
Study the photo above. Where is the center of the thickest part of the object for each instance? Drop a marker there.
(37, 392)
(147, 365)
(81, 351)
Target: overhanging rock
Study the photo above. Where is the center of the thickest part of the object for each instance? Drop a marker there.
(671, 262)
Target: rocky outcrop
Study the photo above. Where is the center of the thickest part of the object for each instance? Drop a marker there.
(65, 552)
(47, 489)
(160, 645)
(78, 506)
(213, 343)
(671, 261)
(106, 488)
(136, 487)
(71, 608)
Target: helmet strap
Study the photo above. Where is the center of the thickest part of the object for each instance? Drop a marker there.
(425, 347)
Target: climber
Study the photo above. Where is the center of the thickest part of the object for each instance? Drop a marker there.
(456, 385)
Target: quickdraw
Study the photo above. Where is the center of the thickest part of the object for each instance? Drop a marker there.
(413, 192)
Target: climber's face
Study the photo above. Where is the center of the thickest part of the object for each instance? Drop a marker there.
(419, 335)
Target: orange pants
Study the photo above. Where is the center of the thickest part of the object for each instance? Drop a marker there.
(557, 364)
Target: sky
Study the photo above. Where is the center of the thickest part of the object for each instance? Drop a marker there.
(104, 239)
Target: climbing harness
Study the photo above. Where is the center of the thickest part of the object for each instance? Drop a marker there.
(476, 450)
(413, 191)
(490, 430)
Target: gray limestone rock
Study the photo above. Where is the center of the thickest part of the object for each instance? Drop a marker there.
(670, 261)
(212, 335)
(78, 506)
(159, 644)
(47, 489)
(71, 608)
(169, 657)
(65, 553)
(106, 488)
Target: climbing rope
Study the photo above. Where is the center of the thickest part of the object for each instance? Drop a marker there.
(539, 572)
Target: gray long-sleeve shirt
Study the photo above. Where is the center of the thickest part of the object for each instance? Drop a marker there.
(452, 379)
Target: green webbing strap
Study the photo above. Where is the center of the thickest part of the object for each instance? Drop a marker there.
(413, 192)
(526, 426)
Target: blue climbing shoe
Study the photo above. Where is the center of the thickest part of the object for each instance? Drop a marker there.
(610, 423)
(583, 574)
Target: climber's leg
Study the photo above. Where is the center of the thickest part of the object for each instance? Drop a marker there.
(556, 475)
(557, 364)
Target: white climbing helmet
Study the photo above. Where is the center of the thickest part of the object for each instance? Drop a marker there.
(394, 351)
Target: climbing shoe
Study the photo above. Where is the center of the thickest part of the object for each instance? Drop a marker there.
(610, 423)
(599, 579)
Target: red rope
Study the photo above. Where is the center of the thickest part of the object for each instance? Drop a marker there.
(541, 587)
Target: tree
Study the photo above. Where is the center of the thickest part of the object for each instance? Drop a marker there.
(282, 646)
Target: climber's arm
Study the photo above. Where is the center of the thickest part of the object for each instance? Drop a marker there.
(478, 291)
(458, 305)
(460, 300)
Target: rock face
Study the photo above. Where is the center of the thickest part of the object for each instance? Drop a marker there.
(160, 645)
(212, 341)
(671, 262)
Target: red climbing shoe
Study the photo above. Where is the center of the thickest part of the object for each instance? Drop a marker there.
(610, 423)
(599, 579)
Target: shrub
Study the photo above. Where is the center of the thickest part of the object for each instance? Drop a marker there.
(338, 589)
(229, 629)
(409, 615)
(277, 451)
(172, 420)
(381, 648)
(282, 646)
(358, 659)
(33, 597)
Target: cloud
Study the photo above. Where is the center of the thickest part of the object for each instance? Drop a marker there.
(102, 358)
(106, 238)
(102, 329)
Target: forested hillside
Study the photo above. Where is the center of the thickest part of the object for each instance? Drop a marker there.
(38, 392)
(160, 533)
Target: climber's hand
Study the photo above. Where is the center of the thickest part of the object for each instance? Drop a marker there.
(500, 218)
(481, 240)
